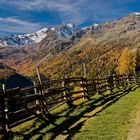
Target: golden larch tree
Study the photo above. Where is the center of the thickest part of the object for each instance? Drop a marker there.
(127, 62)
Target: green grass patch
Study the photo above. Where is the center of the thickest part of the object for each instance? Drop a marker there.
(104, 117)
(113, 122)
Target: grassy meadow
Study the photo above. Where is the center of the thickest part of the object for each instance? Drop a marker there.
(108, 116)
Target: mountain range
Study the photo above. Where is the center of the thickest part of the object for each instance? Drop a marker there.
(62, 50)
(63, 31)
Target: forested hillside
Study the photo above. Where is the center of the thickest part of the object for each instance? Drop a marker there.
(103, 48)
(9, 77)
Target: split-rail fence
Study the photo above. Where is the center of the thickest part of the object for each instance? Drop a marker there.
(18, 105)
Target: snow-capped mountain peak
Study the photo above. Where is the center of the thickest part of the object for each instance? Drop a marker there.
(38, 36)
(95, 25)
(17, 40)
(71, 25)
(67, 30)
(63, 31)
(137, 13)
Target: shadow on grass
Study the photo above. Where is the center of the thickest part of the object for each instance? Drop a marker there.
(75, 113)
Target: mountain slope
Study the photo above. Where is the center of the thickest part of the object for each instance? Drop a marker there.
(99, 46)
(99, 49)
(29, 55)
(12, 79)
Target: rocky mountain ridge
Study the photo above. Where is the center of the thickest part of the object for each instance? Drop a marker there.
(63, 31)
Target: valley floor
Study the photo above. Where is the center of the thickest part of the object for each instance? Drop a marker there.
(112, 116)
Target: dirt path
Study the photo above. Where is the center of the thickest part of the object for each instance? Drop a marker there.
(134, 132)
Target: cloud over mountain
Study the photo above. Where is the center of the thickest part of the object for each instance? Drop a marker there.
(13, 24)
(53, 12)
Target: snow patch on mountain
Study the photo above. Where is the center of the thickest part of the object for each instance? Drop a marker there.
(38, 36)
(137, 13)
(63, 31)
(17, 40)
(95, 25)
(67, 30)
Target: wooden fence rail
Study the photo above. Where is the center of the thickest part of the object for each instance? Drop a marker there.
(17, 105)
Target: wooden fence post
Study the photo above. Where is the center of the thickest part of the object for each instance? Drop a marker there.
(138, 79)
(114, 81)
(5, 112)
(128, 82)
(131, 79)
(64, 92)
(85, 70)
(107, 83)
(122, 82)
(97, 86)
(117, 81)
(3, 122)
(123, 78)
(44, 108)
(135, 80)
(37, 102)
(110, 83)
(81, 82)
(85, 89)
(67, 92)
(38, 74)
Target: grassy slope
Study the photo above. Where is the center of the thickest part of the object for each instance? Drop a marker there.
(113, 122)
(103, 118)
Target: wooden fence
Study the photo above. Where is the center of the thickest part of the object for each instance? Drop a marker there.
(18, 105)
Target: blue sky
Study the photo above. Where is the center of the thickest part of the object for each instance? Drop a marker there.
(25, 16)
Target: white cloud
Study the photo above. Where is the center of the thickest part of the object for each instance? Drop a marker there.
(75, 11)
(69, 10)
(13, 24)
(41, 4)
